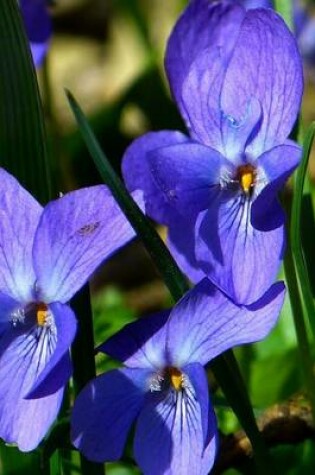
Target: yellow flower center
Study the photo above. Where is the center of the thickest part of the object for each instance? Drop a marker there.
(246, 176)
(42, 313)
(176, 378)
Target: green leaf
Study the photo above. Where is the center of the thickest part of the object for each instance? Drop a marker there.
(283, 376)
(22, 149)
(152, 241)
(14, 462)
(82, 352)
(295, 460)
(22, 133)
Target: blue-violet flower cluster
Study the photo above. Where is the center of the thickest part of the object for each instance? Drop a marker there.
(236, 77)
(46, 255)
(164, 385)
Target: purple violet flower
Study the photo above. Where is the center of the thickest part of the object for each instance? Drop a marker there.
(46, 256)
(164, 385)
(38, 27)
(236, 76)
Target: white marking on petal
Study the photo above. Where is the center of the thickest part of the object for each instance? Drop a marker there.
(18, 316)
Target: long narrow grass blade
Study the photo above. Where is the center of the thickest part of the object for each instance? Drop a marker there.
(307, 236)
(295, 229)
(22, 134)
(84, 361)
(296, 273)
(153, 243)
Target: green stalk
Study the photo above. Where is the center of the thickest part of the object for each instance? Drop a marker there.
(297, 275)
(300, 327)
(225, 366)
(23, 150)
(174, 279)
(84, 361)
(227, 363)
(295, 229)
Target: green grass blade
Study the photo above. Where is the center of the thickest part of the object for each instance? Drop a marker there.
(300, 292)
(152, 241)
(84, 361)
(22, 133)
(295, 229)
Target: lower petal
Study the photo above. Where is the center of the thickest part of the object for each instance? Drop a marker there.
(26, 422)
(34, 367)
(169, 436)
(58, 369)
(181, 243)
(24, 354)
(241, 260)
(104, 411)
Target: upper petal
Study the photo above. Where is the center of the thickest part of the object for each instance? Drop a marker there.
(237, 135)
(19, 216)
(38, 26)
(229, 249)
(265, 65)
(140, 344)
(203, 83)
(75, 234)
(170, 432)
(200, 26)
(205, 323)
(257, 3)
(104, 411)
(137, 173)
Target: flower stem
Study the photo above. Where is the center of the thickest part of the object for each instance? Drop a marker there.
(243, 408)
(83, 360)
(300, 328)
(295, 229)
